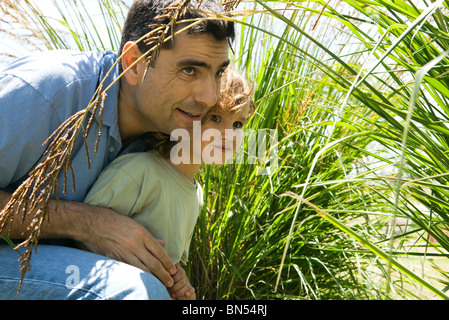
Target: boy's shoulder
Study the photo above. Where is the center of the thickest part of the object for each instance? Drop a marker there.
(137, 162)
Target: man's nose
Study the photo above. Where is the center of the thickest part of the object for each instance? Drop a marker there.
(206, 92)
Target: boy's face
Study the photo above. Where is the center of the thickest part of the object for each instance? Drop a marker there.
(222, 135)
(182, 85)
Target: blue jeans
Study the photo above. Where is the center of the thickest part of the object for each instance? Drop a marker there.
(60, 273)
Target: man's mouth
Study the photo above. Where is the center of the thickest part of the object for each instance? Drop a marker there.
(194, 116)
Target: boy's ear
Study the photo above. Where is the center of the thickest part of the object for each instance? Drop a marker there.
(131, 53)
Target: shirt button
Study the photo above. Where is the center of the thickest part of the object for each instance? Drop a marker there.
(111, 149)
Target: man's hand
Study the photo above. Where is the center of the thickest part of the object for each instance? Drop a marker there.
(121, 238)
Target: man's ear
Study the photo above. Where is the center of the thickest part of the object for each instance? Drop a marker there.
(131, 54)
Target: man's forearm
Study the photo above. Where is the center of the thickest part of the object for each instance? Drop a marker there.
(57, 225)
(101, 231)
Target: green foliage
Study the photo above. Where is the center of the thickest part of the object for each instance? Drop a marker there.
(330, 110)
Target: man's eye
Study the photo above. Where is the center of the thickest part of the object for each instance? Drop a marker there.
(237, 124)
(189, 71)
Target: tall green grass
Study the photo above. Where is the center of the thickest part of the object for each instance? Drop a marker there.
(247, 217)
(357, 93)
(334, 89)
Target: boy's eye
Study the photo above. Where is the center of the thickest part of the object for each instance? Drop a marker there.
(215, 118)
(220, 73)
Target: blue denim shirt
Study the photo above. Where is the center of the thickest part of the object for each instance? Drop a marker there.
(37, 94)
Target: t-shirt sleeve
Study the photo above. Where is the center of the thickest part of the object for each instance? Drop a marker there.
(118, 187)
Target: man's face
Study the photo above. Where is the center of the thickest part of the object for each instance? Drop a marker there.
(182, 84)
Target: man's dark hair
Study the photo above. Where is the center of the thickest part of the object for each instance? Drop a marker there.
(142, 13)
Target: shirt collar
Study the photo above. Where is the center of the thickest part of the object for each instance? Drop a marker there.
(108, 78)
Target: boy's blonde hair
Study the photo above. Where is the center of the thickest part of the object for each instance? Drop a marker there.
(235, 94)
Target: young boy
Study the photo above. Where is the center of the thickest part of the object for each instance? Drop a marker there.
(160, 192)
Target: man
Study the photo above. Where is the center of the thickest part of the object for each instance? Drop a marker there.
(38, 93)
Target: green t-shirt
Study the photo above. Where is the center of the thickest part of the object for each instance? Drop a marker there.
(148, 189)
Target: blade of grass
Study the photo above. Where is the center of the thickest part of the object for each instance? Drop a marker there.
(373, 248)
(419, 78)
(10, 243)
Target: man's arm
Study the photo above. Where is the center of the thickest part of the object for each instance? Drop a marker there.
(103, 232)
